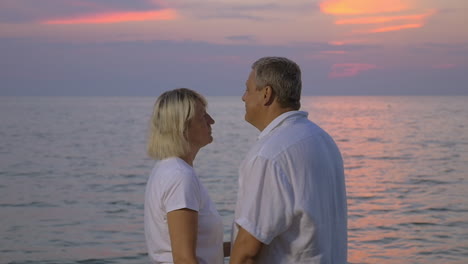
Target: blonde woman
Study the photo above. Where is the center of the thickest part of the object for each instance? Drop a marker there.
(182, 224)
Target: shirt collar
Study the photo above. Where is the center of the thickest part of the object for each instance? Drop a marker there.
(278, 120)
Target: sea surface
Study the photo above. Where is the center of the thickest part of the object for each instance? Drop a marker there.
(73, 172)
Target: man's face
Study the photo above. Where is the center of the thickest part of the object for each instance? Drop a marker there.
(253, 100)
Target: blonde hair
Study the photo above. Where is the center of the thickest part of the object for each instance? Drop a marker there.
(171, 115)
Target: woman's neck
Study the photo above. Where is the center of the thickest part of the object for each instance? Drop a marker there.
(190, 157)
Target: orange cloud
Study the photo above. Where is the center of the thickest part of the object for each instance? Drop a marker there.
(118, 17)
(343, 70)
(359, 7)
(382, 19)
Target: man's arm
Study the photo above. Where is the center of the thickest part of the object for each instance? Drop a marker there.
(245, 249)
(183, 227)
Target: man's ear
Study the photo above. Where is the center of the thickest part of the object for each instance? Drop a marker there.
(268, 95)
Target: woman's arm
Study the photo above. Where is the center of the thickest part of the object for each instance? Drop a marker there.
(183, 227)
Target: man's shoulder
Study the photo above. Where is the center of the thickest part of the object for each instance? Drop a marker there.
(293, 131)
(286, 136)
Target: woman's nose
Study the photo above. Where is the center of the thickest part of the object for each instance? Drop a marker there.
(210, 120)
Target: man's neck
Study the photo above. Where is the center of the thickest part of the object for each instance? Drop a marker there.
(271, 114)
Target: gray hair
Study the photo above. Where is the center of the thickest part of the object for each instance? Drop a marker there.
(283, 76)
(171, 115)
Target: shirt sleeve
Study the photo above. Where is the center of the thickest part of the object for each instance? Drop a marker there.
(182, 191)
(265, 202)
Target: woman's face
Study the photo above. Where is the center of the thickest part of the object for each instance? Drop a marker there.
(199, 129)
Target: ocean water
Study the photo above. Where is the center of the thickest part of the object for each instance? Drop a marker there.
(73, 172)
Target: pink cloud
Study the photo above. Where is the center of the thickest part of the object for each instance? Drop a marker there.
(333, 52)
(347, 42)
(444, 66)
(343, 70)
(394, 28)
(118, 17)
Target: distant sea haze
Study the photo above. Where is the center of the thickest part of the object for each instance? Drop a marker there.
(73, 172)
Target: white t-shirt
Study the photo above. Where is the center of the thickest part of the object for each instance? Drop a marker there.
(174, 185)
(292, 194)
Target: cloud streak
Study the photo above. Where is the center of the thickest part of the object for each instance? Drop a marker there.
(383, 19)
(345, 70)
(242, 38)
(117, 17)
(444, 66)
(394, 28)
(33, 11)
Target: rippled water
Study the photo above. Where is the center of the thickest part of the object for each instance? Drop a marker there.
(73, 171)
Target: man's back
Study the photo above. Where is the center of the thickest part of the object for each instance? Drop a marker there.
(292, 194)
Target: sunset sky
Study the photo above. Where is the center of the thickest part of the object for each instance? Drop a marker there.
(143, 47)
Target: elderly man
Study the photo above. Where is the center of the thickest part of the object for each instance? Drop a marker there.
(291, 205)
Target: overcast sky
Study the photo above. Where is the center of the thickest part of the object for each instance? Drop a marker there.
(143, 47)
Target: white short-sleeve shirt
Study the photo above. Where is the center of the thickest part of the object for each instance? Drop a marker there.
(292, 194)
(174, 185)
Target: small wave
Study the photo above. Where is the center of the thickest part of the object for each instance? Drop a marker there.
(419, 224)
(353, 168)
(120, 202)
(118, 211)
(131, 176)
(387, 228)
(385, 240)
(428, 181)
(370, 197)
(463, 224)
(127, 187)
(96, 261)
(352, 216)
(438, 209)
(70, 202)
(407, 157)
(357, 156)
(31, 204)
(25, 174)
(379, 211)
(445, 144)
(74, 223)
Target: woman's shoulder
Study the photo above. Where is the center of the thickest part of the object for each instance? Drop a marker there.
(172, 169)
(174, 164)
